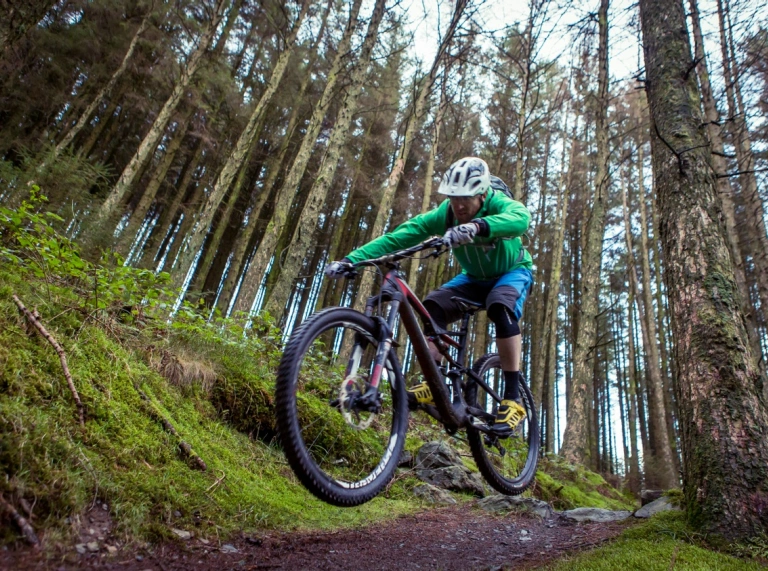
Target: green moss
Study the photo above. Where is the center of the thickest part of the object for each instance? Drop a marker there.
(125, 457)
(567, 487)
(664, 542)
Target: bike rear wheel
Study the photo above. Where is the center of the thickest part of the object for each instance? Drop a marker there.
(342, 449)
(508, 464)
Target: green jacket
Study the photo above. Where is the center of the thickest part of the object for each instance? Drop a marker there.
(485, 257)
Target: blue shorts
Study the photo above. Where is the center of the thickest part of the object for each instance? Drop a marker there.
(509, 290)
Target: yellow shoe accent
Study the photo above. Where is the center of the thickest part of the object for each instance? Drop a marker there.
(511, 413)
(421, 393)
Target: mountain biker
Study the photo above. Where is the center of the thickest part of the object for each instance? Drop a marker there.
(483, 226)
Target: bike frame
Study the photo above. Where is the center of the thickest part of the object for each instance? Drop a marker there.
(452, 412)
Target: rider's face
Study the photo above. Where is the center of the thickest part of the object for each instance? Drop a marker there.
(466, 207)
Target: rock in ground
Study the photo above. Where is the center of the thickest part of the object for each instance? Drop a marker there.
(440, 465)
(436, 455)
(433, 495)
(406, 459)
(454, 478)
(663, 504)
(182, 534)
(648, 496)
(500, 503)
(596, 515)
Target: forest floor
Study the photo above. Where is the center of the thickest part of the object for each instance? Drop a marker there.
(458, 537)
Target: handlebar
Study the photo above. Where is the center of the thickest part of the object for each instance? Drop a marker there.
(437, 244)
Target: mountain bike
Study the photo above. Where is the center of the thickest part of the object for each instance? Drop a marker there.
(341, 402)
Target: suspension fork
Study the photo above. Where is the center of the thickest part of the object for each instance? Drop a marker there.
(370, 399)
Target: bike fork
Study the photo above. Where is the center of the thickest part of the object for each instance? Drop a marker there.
(370, 399)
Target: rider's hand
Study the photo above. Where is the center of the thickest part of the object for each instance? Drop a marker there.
(339, 269)
(461, 234)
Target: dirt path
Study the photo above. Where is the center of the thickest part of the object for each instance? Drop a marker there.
(459, 537)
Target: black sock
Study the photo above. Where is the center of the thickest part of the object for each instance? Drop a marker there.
(511, 385)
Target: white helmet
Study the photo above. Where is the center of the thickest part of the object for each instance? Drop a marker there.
(466, 177)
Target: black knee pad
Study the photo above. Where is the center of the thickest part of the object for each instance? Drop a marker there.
(504, 319)
(437, 313)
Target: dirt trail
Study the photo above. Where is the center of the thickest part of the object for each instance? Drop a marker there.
(460, 537)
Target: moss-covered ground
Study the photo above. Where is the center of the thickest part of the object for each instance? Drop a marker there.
(124, 456)
(664, 542)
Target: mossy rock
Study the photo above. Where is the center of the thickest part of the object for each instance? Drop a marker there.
(567, 487)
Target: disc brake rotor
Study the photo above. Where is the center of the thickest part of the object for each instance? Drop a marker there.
(352, 388)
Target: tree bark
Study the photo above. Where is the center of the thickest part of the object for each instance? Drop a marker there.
(575, 440)
(722, 419)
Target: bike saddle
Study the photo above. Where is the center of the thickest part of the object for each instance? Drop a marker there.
(466, 305)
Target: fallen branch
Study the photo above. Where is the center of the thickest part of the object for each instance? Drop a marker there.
(185, 447)
(33, 318)
(24, 526)
(217, 482)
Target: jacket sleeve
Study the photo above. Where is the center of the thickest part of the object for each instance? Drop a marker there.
(408, 234)
(507, 218)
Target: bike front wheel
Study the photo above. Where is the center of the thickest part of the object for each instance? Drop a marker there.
(343, 446)
(508, 464)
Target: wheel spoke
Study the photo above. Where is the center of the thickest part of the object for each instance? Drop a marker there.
(509, 463)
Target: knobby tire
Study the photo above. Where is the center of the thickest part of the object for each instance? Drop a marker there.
(478, 441)
(311, 471)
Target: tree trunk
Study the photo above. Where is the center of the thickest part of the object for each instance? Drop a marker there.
(723, 183)
(575, 447)
(260, 261)
(636, 414)
(659, 469)
(753, 206)
(537, 339)
(238, 156)
(722, 419)
(144, 153)
(657, 341)
(146, 257)
(308, 217)
(245, 235)
(149, 195)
